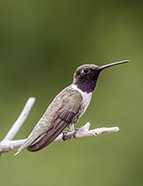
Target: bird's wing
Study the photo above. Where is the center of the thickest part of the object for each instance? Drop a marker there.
(65, 116)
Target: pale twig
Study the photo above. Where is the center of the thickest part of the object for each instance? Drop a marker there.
(85, 132)
(81, 133)
(7, 144)
(20, 120)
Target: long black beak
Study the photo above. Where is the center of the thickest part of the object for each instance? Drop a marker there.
(112, 64)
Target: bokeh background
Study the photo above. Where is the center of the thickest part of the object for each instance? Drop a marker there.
(41, 45)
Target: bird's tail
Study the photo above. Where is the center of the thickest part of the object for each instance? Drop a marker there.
(27, 143)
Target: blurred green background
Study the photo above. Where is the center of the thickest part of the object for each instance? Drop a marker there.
(41, 45)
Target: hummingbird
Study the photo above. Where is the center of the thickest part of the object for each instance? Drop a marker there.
(66, 108)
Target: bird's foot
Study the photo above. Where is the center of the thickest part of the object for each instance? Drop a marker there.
(65, 136)
(69, 135)
(75, 131)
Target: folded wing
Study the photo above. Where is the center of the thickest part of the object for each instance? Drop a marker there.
(66, 115)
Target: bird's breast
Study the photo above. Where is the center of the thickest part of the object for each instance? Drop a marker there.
(86, 97)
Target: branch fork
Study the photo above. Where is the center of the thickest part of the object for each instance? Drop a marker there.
(8, 144)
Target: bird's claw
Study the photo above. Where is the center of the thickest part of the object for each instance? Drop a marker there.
(69, 135)
(64, 136)
(75, 131)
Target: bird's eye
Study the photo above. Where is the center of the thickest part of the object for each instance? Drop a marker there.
(85, 70)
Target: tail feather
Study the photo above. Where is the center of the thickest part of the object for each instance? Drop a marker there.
(28, 142)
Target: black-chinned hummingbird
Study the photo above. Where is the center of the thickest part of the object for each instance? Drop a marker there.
(66, 108)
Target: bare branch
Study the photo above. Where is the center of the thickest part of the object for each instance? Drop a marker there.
(20, 120)
(7, 145)
(85, 132)
(82, 132)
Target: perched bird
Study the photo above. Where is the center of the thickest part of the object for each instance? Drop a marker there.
(66, 108)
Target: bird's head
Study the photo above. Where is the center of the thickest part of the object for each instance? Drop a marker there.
(85, 77)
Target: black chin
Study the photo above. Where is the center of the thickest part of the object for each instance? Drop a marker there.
(96, 74)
